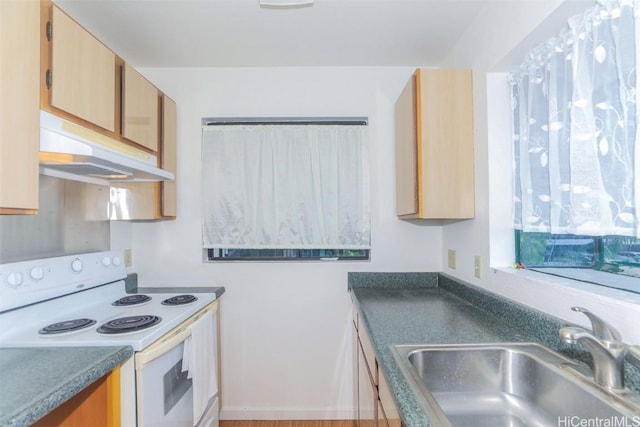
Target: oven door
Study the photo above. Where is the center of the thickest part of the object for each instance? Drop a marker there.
(164, 393)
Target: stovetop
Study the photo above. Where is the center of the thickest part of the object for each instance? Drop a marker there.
(20, 326)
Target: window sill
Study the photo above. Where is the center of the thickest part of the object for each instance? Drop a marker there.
(595, 277)
(579, 286)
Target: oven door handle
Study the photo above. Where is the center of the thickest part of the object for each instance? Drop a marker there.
(171, 339)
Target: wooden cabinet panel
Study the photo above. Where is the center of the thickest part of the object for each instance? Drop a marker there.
(83, 73)
(375, 403)
(139, 109)
(366, 377)
(369, 353)
(151, 200)
(19, 106)
(438, 104)
(98, 405)
(390, 411)
(367, 398)
(406, 151)
(169, 155)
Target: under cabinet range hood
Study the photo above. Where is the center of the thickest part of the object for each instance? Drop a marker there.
(70, 151)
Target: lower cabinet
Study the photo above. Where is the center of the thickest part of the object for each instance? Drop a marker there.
(367, 398)
(387, 411)
(376, 407)
(98, 405)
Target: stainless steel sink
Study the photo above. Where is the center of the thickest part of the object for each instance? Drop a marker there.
(507, 385)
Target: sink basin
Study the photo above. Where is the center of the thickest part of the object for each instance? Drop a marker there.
(521, 384)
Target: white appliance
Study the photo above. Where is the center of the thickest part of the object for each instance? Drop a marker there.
(81, 300)
(70, 151)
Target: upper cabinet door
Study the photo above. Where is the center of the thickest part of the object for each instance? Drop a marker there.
(139, 109)
(19, 112)
(434, 146)
(83, 73)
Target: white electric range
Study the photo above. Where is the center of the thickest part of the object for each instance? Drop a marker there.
(81, 300)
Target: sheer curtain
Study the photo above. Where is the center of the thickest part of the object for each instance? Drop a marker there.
(285, 186)
(576, 145)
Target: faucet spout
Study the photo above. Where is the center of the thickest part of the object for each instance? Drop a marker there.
(605, 346)
(601, 329)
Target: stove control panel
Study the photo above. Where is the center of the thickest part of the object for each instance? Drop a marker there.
(29, 282)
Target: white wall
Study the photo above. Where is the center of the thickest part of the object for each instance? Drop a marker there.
(286, 334)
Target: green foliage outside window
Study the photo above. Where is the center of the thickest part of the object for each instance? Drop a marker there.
(614, 254)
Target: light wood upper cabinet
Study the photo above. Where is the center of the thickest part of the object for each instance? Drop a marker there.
(169, 155)
(19, 106)
(151, 200)
(82, 74)
(434, 146)
(139, 109)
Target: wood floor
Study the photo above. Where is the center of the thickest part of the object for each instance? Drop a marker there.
(323, 423)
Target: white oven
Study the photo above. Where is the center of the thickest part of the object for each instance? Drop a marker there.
(165, 393)
(81, 300)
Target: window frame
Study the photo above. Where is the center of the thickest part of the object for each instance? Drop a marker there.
(211, 257)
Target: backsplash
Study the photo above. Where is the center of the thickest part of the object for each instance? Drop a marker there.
(72, 218)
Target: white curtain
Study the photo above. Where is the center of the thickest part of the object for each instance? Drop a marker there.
(285, 186)
(575, 121)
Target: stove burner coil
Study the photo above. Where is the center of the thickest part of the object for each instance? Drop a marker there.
(66, 326)
(129, 324)
(132, 300)
(180, 300)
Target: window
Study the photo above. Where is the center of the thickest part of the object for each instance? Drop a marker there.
(285, 190)
(287, 254)
(613, 254)
(576, 152)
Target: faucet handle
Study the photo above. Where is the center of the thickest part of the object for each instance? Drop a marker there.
(601, 329)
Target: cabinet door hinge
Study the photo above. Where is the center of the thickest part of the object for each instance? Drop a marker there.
(47, 78)
(49, 30)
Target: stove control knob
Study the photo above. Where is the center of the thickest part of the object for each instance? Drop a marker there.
(37, 273)
(116, 261)
(76, 265)
(14, 279)
(106, 261)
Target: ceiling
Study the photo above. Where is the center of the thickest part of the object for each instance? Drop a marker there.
(240, 33)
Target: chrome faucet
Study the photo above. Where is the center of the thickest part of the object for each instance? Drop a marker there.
(605, 345)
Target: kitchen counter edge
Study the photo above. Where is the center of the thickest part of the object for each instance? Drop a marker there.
(55, 374)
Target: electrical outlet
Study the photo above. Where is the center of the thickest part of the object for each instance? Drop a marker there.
(477, 266)
(128, 262)
(452, 259)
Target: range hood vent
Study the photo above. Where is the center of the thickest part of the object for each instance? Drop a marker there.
(70, 151)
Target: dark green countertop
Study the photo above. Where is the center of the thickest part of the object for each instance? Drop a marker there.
(35, 381)
(435, 309)
(131, 285)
